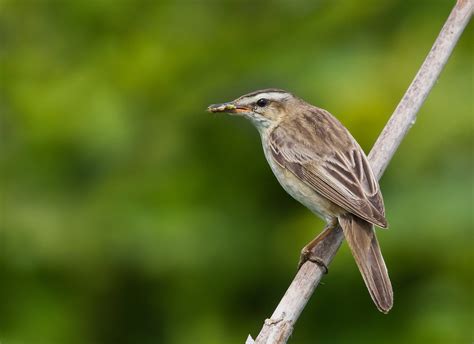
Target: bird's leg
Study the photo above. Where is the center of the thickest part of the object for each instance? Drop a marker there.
(307, 253)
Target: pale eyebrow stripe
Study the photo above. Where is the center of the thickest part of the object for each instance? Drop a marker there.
(267, 90)
(267, 95)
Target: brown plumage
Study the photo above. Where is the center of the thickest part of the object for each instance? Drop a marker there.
(305, 144)
(319, 163)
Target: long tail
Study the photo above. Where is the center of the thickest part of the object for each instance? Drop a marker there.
(360, 236)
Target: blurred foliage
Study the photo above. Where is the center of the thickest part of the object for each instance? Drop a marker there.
(130, 215)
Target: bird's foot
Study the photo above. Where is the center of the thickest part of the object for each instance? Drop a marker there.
(308, 255)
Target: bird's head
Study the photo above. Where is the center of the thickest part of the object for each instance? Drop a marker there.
(263, 108)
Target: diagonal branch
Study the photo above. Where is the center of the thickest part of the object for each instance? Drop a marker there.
(279, 327)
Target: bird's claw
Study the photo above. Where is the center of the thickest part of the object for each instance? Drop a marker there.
(306, 255)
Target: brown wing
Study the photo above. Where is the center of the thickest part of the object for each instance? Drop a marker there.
(305, 145)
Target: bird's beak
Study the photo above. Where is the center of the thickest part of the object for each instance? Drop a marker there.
(229, 107)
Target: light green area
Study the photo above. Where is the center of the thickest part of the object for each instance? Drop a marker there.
(131, 215)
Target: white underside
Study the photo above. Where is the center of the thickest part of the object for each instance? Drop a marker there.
(297, 189)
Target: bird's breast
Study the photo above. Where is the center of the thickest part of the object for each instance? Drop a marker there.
(299, 190)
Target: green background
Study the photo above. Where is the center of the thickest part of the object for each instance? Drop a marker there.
(130, 215)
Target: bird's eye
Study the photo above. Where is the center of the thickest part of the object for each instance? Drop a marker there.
(262, 102)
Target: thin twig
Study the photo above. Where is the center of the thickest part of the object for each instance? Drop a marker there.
(279, 327)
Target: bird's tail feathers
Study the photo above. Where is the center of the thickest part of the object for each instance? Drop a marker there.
(360, 236)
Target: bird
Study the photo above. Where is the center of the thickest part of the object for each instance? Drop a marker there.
(320, 164)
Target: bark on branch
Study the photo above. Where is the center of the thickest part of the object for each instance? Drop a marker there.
(279, 327)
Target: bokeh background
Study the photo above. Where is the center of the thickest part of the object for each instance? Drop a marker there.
(130, 215)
